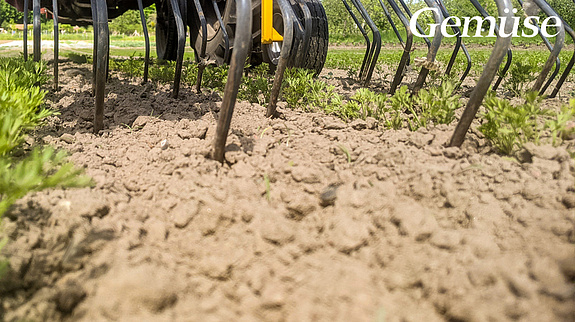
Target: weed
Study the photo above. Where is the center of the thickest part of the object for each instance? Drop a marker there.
(508, 127)
(438, 104)
(345, 150)
(562, 125)
(520, 75)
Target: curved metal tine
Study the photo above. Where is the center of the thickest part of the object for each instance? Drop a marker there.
(224, 31)
(146, 39)
(94, 10)
(25, 47)
(289, 19)
(567, 70)
(37, 29)
(432, 52)
(56, 39)
(176, 10)
(363, 32)
(376, 45)
(102, 31)
(509, 53)
(458, 45)
(417, 25)
(242, 43)
(501, 45)
(390, 20)
(550, 47)
(307, 29)
(559, 40)
(406, 49)
(202, 59)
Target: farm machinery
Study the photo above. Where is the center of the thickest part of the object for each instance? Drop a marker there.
(285, 33)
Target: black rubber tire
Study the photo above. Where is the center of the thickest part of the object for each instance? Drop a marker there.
(166, 30)
(315, 57)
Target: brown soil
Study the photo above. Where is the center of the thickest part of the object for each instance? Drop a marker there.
(311, 219)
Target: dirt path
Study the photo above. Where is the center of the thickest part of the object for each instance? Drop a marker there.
(313, 220)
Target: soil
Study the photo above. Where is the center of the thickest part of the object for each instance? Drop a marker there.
(309, 219)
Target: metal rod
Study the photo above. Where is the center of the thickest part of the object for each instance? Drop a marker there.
(25, 47)
(376, 45)
(289, 18)
(559, 40)
(458, 44)
(363, 32)
(181, 46)
(224, 31)
(56, 40)
(146, 39)
(390, 20)
(94, 46)
(242, 41)
(432, 52)
(406, 49)
(102, 31)
(569, 66)
(204, 35)
(37, 29)
(504, 8)
(417, 25)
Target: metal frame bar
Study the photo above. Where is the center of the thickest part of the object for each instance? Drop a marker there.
(501, 46)
(242, 41)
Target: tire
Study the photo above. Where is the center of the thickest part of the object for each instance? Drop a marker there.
(316, 55)
(166, 30)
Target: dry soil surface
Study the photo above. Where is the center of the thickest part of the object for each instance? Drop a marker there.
(310, 219)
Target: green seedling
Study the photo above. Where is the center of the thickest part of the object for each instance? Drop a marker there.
(345, 151)
(268, 187)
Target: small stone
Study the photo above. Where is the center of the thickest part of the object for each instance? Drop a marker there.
(142, 120)
(328, 195)
(164, 144)
(199, 130)
(68, 138)
(371, 123)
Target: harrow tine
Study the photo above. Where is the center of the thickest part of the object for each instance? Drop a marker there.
(390, 20)
(550, 47)
(146, 39)
(375, 47)
(102, 34)
(406, 49)
(241, 48)
(432, 52)
(417, 25)
(458, 44)
(289, 19)
(180, 26)
(567, 70)
(224, 31)
(363, 32)
(37, 29)
(501, 46)
(559, 40)
(56, 39)
(94, 47)
(202, 55)
(25, 47)
(509, 53)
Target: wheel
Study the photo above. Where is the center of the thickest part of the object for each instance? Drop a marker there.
(315, 57)
(215, 49)
(166, 30)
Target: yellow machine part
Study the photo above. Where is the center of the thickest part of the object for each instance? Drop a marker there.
(269, 34)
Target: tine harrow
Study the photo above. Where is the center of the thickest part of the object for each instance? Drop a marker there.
(391, 22)
(559, 39)
(501, 46)
(458, 44)
(146, 40)
(406, 49)
(365, 36)
(432, 52)
(367, 72)
(569, 66)
(417, 25)
(239, 55)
